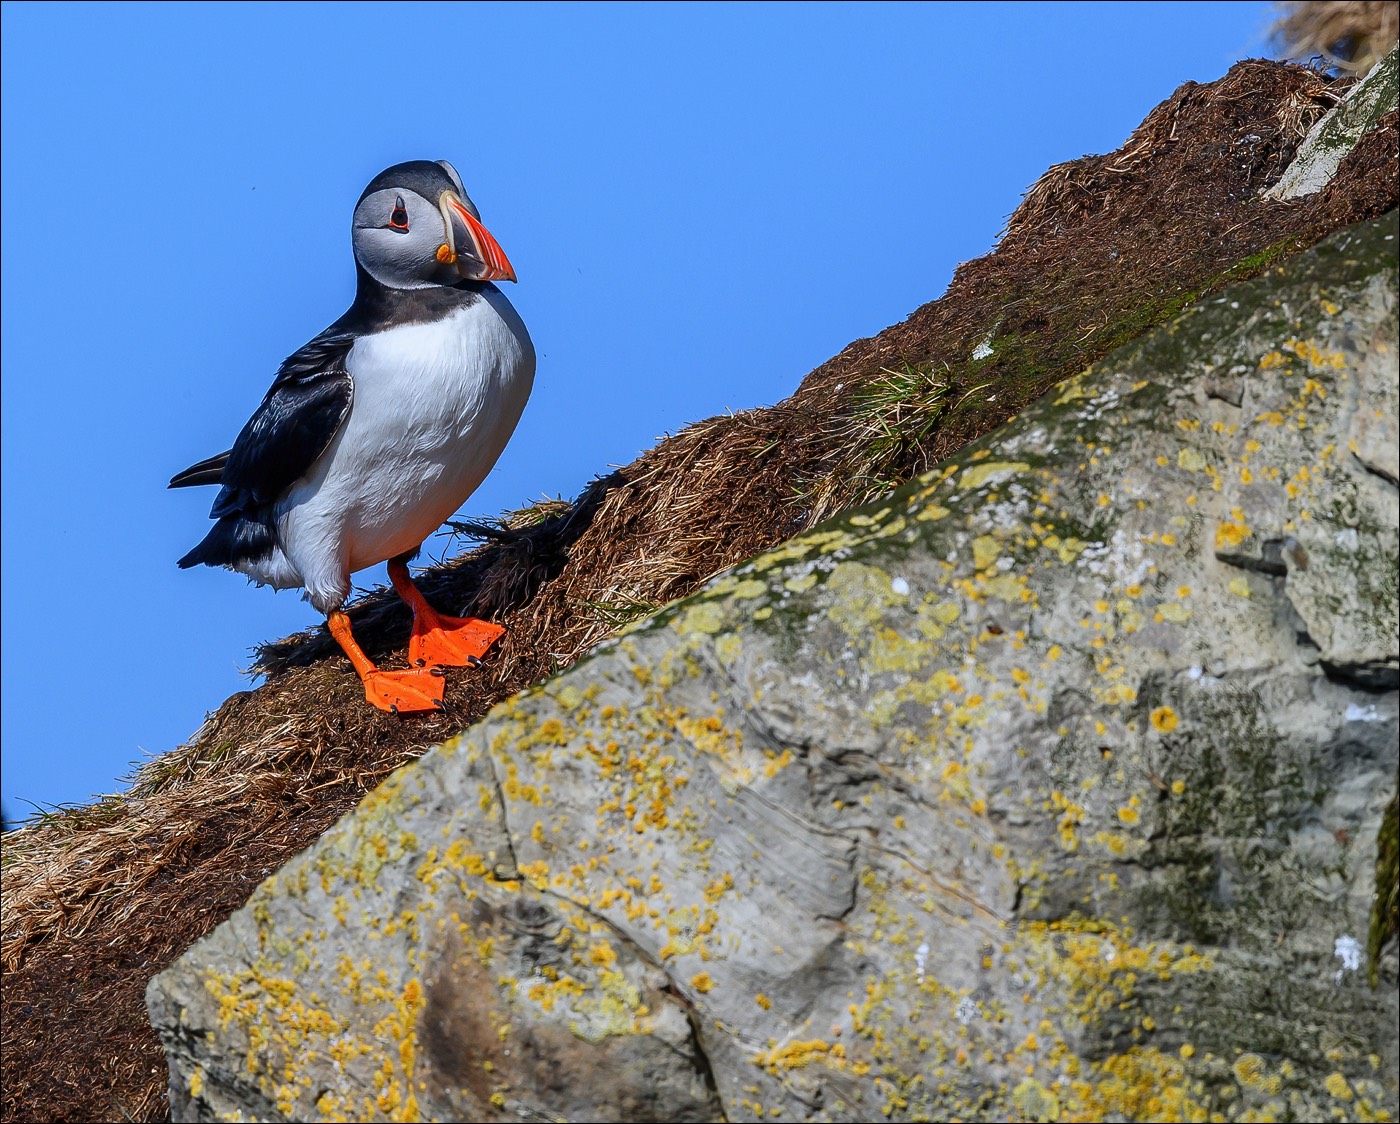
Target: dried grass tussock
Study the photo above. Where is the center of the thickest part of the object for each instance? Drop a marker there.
(98, 899)
(1350, 35)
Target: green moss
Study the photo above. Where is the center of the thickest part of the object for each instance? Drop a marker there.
(1254, 264)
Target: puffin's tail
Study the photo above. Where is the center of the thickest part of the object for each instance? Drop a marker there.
(233, 541)
(208, 471)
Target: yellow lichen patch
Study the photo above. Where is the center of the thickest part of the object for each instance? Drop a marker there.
(1190, 460)
(1009, 587)
(1034, 1101)
(889, 651)
(707, 617)
(1141, 1084)
(1251, 1072)
(728, 647)
(1315, 357)
(1116, 694)
(1071, 816)
(516, 790)
(1067, 550)
(931, 513)
(985, 551)
(860, 594)
(979, 474)
(552, 987)
(536, 873)
(1115, 843)
(798, 1054)
(702, 981)
(776, 762)
(1230, 534)
(749, 589)
(1164, 720)
(945, 612)
(285, 1032)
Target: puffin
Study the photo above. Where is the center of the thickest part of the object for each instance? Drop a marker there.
(381, 427)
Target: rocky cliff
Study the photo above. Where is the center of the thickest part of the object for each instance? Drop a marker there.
(1049, 787)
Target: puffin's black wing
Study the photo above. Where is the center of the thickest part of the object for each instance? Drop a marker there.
(304, 409)
(300, 414)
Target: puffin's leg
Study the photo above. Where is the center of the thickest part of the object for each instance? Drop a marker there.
(437, 640)
(400, 692)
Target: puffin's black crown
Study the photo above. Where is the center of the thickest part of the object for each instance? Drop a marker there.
(425, 177)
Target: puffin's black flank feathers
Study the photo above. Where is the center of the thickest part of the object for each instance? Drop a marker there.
(232, 539)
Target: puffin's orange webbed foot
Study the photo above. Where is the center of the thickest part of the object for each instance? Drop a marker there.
(404, 692)
(437, 640)
(399, 692)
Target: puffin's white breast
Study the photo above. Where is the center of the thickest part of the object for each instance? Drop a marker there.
(433, 407)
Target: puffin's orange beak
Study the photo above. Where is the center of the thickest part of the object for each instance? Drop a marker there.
(469, 246)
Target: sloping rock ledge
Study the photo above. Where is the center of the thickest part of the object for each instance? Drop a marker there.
(1049, 788)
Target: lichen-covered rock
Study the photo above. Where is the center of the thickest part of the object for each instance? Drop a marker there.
(1049, 788)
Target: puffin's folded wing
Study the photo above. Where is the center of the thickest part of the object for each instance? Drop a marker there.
(301, 413)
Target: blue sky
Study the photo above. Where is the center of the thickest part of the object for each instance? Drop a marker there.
(703, 202)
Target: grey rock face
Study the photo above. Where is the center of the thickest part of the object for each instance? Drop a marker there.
(1048, 788)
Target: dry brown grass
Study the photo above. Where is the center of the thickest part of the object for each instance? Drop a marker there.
(96, 900)
(1350, 36)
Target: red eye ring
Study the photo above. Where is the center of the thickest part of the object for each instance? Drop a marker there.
(398, 218)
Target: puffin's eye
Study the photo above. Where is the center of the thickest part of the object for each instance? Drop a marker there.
(398, 218)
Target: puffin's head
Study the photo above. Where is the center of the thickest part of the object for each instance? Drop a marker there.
(415, 227)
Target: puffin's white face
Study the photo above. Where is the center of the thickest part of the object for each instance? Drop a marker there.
(423, 230)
